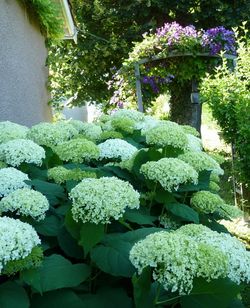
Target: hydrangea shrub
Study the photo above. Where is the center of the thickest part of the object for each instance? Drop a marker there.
(124, 211)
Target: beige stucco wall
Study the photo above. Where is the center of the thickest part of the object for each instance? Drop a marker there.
(23, 75)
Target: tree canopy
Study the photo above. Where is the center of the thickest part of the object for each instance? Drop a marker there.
(107, 30)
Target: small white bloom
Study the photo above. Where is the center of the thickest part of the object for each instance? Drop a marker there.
(116, 148)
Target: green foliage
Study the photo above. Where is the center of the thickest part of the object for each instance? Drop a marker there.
(33, 260)
(108, 30)
(227, 93)
(87, 264)
(13, 295)
(49, 16)
(55, 273)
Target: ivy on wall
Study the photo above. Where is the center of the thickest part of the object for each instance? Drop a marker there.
(48, 14)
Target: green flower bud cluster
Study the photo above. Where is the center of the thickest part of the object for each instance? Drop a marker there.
(167, 134)
(60, 174)
(77, 150)
(201, 161)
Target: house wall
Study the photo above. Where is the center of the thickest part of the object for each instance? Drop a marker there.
(23, 75)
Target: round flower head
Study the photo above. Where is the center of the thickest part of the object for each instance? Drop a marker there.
(238, 258)
(25, 202)
(201, 161)
(214, 187)
(17, 239)
(11, 179)
(135, 115)
(15, 152)
(123, 124)
(116, 149)
(77, 150)
(148, 123)
(101, 200)
(206, 202)
(167, 134)
(169, 172)
(60, 174)
(194, 143)
(176, 260)
(190, 130)
(10, 131)
(88, 130)
(50, 134)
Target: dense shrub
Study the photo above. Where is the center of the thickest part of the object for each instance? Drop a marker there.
(129, 221)
(228, 94)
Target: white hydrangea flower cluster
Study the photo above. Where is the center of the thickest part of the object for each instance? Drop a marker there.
(176, 260)
(201, 161)
(26, 202)
(167, 134)
(238, 258)
(148, 123)
(89, 130)
(15, 152)
(10, 131)
(50, 134)
(17, 239)
(116, 148)
(77, 150)
(100, 200)
(194, 143)
(206, 202)
(11, 179)
(169, 172)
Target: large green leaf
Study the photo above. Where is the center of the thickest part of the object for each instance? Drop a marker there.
(217, 293)
(140, 217)
(203, 183)
(112, 256)
(56, 299)
(90, 235)
(141, 286)
(56, 272)
(13, 295)
(50, 226)
(107, 298)
(53, 192)
(162, 196)
(72, 226)
(69, 245)
(183, 211)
